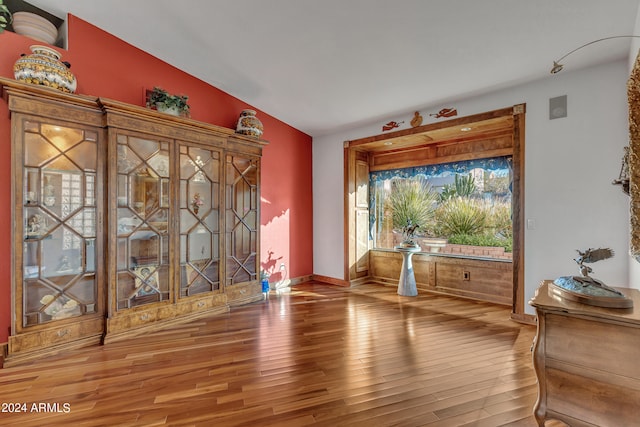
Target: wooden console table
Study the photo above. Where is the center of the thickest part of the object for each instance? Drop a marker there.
(587, 360)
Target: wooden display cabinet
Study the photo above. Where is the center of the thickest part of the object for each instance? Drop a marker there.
(173, 190)
(241, 226)
(58, 282)
(183, 207)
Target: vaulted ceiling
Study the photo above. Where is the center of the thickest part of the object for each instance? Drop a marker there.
(327, 65)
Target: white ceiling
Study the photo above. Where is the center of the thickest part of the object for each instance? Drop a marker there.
(328, 65)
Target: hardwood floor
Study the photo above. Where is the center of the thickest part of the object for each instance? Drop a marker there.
(321, 356)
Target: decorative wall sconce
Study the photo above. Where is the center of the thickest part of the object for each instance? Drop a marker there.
(623, 179)
(557, 66)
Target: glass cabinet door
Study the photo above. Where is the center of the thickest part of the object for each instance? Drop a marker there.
(241, 219)
(59, 257)
(142, 251)
(199, 220)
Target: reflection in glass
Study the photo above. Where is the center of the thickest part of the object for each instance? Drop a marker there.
(199, 193)
(242, 218)
(142, 198)
(59, 260)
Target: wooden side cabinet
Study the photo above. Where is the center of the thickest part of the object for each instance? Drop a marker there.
(586, 361)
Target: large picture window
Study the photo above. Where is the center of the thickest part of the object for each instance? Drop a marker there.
(468, 208)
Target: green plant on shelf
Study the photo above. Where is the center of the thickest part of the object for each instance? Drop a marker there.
(5, 16)
(160, 98)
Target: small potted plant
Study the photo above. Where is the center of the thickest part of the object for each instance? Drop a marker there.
(5, 16)
(164, 102)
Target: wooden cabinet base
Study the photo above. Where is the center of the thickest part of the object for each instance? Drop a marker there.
(17, 358)
(121, 328)
(244, 294)
(484, 280)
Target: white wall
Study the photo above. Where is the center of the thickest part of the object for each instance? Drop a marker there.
(569, 166)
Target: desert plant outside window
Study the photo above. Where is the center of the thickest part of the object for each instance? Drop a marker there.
(470, 205)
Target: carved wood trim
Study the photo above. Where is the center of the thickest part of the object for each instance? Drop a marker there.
(517, 212)
(14, 87)
(433, 126)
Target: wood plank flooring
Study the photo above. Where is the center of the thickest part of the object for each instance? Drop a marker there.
(320, 356)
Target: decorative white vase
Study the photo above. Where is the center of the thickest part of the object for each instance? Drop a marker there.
(173, 110)
(249, 124)
(43, 67)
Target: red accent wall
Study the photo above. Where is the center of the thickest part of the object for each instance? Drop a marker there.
(108, 67)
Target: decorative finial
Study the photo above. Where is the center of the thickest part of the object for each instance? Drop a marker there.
(416, 120)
